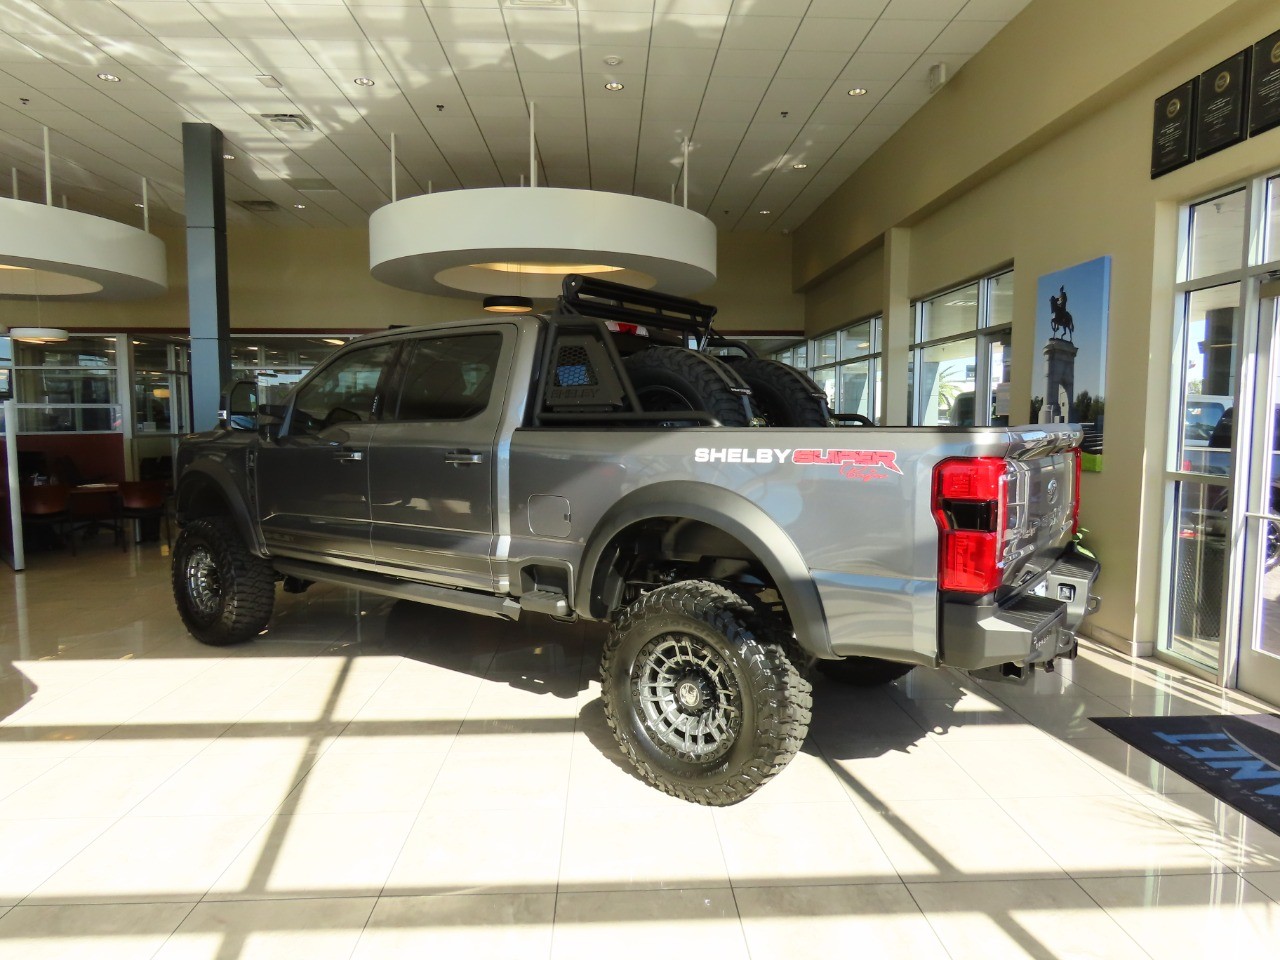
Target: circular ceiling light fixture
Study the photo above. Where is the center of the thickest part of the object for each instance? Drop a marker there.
(613, 61)
(613, 86)
(799, 166)
(228, 156)
(299, 206)
(38, 334)
(522, 241)
(502, 303)
(858, 92)
(108, 77)
(363, 81)
(765, 213)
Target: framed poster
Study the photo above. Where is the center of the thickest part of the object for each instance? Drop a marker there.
(1070, 380)
(1264, 85)
(1220, 105)
(1172, 143)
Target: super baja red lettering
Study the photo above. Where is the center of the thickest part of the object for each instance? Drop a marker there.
(859, 458)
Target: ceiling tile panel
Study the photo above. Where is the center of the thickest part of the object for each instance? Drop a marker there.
(468, 24)
(922, 9)
(991, 9)
(349, 54)
(466, 55)
(244, 21)
(902, 36)
(489, 83)
(319, 21)
(42, 75)
(71, 50)
(171, 19)
(13, 50)
(733, 111)
(736, 88)
(88, 17)
(828, 33)
(687, 30)
(634, 61)
(408, 59)
(681, 62)
(404, 22)
(540, 86)
(966, 36)
(759, 33)
(559, 58)
(852, 9)
(813, 64)
(627, 29)
(877, 66)
(747, 63)
(268, 55)
(203, 52)
(541, 26)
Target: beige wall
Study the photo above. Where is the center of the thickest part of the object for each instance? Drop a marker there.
(314, 279)
(1076, 81)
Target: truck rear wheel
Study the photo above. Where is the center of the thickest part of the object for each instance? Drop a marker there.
(781, 394)
(677, 379)
(864, 671)
(705, 710)
(224, 593)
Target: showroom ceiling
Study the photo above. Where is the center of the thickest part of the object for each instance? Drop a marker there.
(758, 86)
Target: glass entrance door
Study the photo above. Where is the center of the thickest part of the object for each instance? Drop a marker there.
(1258, 670)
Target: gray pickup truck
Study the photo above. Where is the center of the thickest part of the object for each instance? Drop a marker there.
(598, 462)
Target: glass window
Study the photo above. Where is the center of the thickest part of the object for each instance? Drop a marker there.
(826, 379)
(1199, 572)
(1210, 358)
(946, 373)
(824, 350)
(448, 378)
(1000, 300)
(160, 385)
(1271, 245)
(949, 314)
(1217, 235)
(67, 387)
(859, 340)
(278, 363)
(999, 369)
(859, 388)
(343, 392)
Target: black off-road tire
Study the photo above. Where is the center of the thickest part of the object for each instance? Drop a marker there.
(701, 705)
(224, 592)
(781, 394)
(864, 671)
(678, 379)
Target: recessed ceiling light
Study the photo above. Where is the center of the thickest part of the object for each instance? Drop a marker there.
(299, 206)
(858, 92)
(228, 156)
(799, 166)
(613, 86)
(363, 82)
(109, 77)
(766, 212)
(137, 205)
(613, 61)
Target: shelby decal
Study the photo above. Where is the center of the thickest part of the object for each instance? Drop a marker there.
(739, 455)
(859, 464)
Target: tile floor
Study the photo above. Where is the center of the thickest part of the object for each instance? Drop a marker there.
(375, 779)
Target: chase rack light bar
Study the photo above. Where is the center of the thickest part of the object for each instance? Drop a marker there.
(626, 304)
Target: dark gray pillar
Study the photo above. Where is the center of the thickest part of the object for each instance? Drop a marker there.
(206, 270)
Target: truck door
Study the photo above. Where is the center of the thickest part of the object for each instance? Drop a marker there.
(313, 484)
(432, 461)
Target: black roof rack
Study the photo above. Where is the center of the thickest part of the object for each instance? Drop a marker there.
(618, 301)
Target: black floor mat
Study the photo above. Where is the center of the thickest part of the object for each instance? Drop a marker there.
(1237, 759)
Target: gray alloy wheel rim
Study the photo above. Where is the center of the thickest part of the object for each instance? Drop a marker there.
(688, 697)
(204, 586)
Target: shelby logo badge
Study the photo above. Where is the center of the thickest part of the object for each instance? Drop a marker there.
(854, 464)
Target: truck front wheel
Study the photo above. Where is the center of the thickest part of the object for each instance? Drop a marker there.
(224, 593)
(703, 707)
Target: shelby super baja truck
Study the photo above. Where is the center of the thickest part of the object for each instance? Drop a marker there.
(609, 461)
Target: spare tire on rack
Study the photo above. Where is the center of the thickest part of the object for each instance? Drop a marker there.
(782, 395)
(678, 379)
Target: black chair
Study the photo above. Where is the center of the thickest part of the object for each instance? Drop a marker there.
(49, 505)
(144, 500)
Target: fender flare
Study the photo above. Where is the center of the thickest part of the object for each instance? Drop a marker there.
(217, 476)
(736, 516)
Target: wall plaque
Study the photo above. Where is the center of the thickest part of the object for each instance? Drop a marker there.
(1264, 85)
(1220, 105)
(1171, 131)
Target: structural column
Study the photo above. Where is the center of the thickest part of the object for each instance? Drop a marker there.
(207, 297)
(897, 324)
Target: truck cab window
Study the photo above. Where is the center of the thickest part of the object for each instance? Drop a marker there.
(342, 392)
(448, 378)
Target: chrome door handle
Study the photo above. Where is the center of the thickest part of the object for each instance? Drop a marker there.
(462, 457)
(349, 455)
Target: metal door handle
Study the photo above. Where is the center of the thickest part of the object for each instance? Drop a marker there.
(462, 456)
(349, 455)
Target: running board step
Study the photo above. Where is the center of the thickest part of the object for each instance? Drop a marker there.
(482, 603)
(551, 602)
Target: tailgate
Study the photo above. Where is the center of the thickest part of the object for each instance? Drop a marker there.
(1041, 517)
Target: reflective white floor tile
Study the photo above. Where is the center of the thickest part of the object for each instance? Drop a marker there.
(161, 859)
(90, 931)
(269, 930)
(927, 683)
(350, 782)
(1229, 835)
(1266, 881)
(1011, 920)
(1129, 767)
(808, 778)
(842, 713)
(600, 777)
(1105, 836)
(637, 848)
(799, 844)
(1019, 769)
(16, 773)
(91, 787)
(1067, 716)
(454, 850)
(20, 741)
(871, 921)
(232, 777)
(643, 924)
(877, 773)
(31, 850)
(495, 781)
(1170, 704)
(965, 839)
(1218, 915)
(488, 927)
(973, 717)
(316, 855)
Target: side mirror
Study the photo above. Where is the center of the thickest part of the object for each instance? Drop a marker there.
(271, 419)
(240, 406)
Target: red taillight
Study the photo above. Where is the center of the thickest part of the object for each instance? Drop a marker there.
(970, 501)
(1075, 493)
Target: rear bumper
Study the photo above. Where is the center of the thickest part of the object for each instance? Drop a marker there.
(1026, 629)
